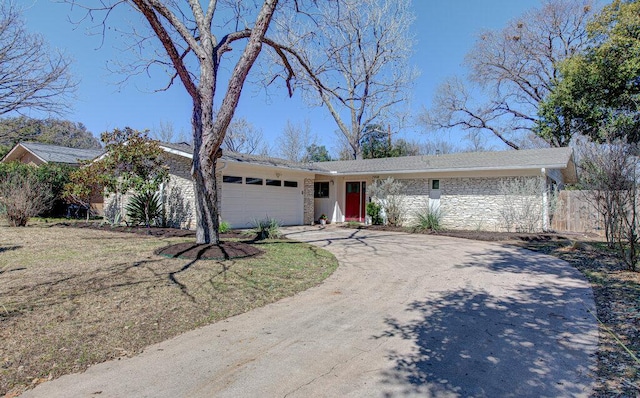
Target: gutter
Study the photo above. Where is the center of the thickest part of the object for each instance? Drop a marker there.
(447, 170)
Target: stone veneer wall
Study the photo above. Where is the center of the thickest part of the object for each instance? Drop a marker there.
(416, 198)
(465, 203)
(179, 195)
(308, 205)
(479, 204)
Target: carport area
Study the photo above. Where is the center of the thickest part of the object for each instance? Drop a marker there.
(404, 315)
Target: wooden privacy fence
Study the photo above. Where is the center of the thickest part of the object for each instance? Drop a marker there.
(576, 212)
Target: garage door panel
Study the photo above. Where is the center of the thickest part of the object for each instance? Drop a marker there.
(243, 204)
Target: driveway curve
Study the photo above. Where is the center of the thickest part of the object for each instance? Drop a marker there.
(404, 315)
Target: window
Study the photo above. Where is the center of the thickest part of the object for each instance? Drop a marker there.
(253, 181)
(435, 184)
(291, 184)
(353, 187)
(273, 183)
(321, 189)
(232, 179)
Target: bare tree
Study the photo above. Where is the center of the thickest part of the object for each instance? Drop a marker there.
(359, 70)
(196, 37)
(516, 69)
(438, 147)
(22, 196)
(294, 141)
(242, 137)
(31, 75)
(609, 174)
(165, 132)
(477, 142)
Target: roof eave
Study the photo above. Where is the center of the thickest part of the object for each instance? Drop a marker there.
(177, 152)
(24, 149)
(449, 170)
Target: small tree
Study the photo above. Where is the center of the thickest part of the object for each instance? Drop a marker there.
(390, 194)
(47, 179)
(523, 209)
(609, 176)
(23, 196)
(85, 183)
(132, 162)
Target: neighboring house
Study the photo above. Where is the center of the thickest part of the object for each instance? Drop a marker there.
(468, 188)
(37, 154)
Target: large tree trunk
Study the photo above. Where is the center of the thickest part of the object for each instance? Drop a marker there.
(204, 173)
(208, 132)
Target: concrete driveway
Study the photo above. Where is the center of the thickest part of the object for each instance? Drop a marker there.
(404, 315)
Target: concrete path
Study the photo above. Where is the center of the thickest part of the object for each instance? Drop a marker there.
(404, 315)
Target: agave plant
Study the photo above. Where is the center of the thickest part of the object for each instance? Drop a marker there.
(145, 208)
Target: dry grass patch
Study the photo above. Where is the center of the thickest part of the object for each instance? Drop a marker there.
(72, 297)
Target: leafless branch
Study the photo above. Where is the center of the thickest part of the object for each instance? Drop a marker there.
(31, 75)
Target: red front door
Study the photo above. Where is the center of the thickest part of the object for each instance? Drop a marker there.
(355, 201)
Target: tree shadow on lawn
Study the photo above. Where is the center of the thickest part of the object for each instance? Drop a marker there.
(9, 248)
(521, 339)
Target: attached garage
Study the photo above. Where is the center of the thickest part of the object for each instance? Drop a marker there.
(247, 198)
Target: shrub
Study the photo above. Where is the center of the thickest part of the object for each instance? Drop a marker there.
(374, 211)
(390, 194)
(268, 228)
(145, 208)
(523, 209)
(224, 227)
(23, 196)
(51, 177)
(429, 219)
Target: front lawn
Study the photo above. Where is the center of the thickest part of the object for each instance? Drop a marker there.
(71, 297)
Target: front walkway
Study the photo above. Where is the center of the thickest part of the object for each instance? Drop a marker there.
(404, 315)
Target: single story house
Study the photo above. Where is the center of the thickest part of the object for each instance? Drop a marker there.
(467, 188)
(37, 154)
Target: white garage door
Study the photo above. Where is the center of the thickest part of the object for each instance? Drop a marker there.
(247, 199)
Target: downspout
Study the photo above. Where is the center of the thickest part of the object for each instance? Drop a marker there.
(545, 201)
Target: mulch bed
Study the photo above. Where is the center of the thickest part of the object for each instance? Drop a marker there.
(222, 251)
(151, 231)
(482, 235)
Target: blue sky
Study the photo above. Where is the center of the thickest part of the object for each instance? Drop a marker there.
(444, 32)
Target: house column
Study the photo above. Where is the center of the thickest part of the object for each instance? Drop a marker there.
(308, 201)
(545, 201)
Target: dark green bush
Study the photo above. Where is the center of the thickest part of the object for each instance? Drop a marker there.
(373, 211)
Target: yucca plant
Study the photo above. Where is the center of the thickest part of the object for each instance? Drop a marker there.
(428, 219)
(268, 228)
(145, 208)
